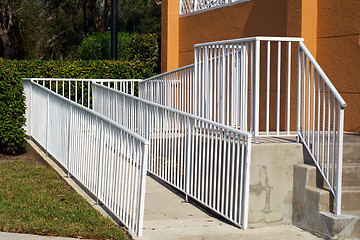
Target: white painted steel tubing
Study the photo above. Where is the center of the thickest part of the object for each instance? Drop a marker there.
(83, 79)
(335, 115)
(250, 39)
(84, 127)
(323, 75)
(228, 128)
(172, 132)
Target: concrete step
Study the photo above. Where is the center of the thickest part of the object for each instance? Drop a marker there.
(311, 205)
(351, 153)
(351, 148)
(354, 212)
(350, 198)
(351, 174)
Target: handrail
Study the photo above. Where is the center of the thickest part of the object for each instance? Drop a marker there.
(109, 121)
(323, 75)
(188, 7)
(84, 79)
(169, 72)
(240, 40)
(230, 129)
(89, 146)
(178, 155)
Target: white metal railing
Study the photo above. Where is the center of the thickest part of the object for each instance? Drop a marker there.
(189, 6)
(79, 90)
(105, 157)
(276, 81)
(320, 123)
(238, 77)
(173, 89)
(206, 160)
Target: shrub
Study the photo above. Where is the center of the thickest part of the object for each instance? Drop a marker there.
(79, 69)
(12, 111)
(138, 48)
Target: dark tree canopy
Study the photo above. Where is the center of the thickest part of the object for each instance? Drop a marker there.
(54, 29)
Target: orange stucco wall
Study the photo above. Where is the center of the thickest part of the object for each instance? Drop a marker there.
(246, 19)
(338, 52)
(330, 29)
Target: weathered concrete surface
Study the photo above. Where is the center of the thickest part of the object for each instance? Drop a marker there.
(271, 181)
(168, 216)
(312, 206)
(21, 236)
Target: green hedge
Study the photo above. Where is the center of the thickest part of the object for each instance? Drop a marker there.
(139, 48)
(80, 69)
(12, 111)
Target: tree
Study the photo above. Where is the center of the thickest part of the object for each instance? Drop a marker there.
(99, 21)
(6, 22)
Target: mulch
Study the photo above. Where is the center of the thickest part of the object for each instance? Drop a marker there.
(27, 157)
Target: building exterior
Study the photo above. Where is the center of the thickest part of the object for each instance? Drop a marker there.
(330, 29)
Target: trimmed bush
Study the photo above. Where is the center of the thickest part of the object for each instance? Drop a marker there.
(80, 69)
(12, 112)
(138, 48)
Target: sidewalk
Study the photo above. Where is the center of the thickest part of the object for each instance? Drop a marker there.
(21, 236)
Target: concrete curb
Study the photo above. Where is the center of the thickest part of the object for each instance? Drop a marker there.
(40, 155)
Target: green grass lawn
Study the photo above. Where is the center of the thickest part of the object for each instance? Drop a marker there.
(34, 199)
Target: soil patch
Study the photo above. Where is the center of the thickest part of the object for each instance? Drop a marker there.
(27, 157)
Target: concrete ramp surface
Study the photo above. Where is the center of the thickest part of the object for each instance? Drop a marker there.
(169, 216)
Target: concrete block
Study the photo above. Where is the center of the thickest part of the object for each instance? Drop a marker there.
(257, 201)
(273, 217)
(256, 217)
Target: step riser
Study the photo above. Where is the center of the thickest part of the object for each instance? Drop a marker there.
(351, 153)
(350, 201)
(351, 176)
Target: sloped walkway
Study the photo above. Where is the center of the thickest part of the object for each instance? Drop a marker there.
(168, 216)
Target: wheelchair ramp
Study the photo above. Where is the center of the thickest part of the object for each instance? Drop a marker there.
(168, 216)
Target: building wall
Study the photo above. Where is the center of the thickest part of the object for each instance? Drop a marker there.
(330, 29)
(239, 20)
(338, 52)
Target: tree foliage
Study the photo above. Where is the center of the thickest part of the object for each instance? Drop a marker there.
(53, 29)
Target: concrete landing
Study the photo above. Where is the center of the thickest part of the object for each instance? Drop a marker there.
(168, 216)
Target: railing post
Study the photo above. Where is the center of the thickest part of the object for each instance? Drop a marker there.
(257, 90)
(141, 206)
(339, 163)
(196, 5)
(246, 195)
(47, 125)
(298, 117)
(69, 141)
(180, 7)
(99, 160)
(31, 110)
(188, 156)
(195, 82)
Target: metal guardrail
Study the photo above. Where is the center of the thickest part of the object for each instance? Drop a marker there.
(190, 6)
(241, 73)
(173, 89)
(257, 76)
(320, 122)
(206, 160)
(79, 90)
(108, 159)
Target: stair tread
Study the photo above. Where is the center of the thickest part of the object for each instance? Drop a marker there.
(354, 164)
(351, 212)
(351, 188)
